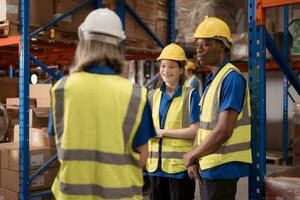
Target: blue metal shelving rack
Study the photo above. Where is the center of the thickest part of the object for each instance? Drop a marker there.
(26, 57)
(259, 39)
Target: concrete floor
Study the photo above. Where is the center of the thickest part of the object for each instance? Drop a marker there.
(242, 187)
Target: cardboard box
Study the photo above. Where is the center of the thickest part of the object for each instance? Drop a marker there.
(10, 157)
(13, 116)
(37, 137)
(9, 137)
(41, 12)
(15, 102)
(70, 23)
(3, 145)
(10, 179)
(43, 103)
(11, 195)
(284, 184)
(40, 117)
(39, 91)
(136, 37)
(9, 87)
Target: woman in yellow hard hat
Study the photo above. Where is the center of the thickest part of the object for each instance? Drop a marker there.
(175, 113)
(191, 79)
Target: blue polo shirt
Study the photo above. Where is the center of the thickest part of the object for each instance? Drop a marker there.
(146, 129)
(195, 84)
(164, 106)
(232, 97)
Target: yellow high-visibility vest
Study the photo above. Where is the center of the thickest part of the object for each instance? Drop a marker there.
(172, 149)
(238, 146)
(96, 118)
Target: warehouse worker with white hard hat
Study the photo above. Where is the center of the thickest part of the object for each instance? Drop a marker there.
(175, 113)
(102, 121)
(223, 150)
(191, 79)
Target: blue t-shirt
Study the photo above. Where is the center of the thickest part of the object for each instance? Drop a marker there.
(195, 84)
(146, 128)
(231, 97)
(164, 106)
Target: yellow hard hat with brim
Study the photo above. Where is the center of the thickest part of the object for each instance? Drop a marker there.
(190, 65)
(212, 27)
(172, 52)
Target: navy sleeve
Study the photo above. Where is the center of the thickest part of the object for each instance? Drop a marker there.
(50, 124)
(195, 84)
(146, 129)
(233, 92)
(194, 107)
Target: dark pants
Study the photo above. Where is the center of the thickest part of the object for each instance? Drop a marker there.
(223, 189)
(163, 188)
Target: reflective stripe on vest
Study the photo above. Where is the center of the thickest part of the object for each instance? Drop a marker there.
(172, 149)
(97, 190)
(65, 186)
(238, 146)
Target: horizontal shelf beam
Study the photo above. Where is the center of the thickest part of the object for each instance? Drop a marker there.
(274, 3)
(11, 40)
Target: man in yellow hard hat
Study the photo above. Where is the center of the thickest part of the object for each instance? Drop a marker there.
(191, 79)
(223, 150)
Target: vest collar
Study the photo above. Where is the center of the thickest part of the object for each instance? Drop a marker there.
(100, 69)
(177, 93)
(211, 76)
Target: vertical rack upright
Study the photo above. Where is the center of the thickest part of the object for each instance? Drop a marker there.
(259, 39)
(24, 68)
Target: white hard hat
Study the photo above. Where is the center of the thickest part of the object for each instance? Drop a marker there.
(102, 25)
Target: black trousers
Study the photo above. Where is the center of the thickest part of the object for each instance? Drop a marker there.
(222, 189)
(163, 188)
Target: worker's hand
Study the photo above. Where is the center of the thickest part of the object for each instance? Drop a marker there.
(188, 158)
(159, 132)
(193, 172)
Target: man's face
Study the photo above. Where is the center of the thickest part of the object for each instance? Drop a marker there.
(208, 51)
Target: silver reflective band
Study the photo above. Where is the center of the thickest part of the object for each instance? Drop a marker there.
(132, 111)
(186, 108)
(97, 156)
(59, 106)
(233, 148)
(97, 190)
(168, 155)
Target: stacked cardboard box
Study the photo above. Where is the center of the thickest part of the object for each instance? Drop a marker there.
(283, 184)
(136, 37)
(296, 134)
(9, 172)
(39, 108)
(42, 146)
(42, 11)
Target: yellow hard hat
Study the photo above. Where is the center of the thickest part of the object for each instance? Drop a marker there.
(172, 52)
(212, 27)
(190, 65)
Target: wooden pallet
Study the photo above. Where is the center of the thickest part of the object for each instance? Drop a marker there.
(275, 157)
(7, 28)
